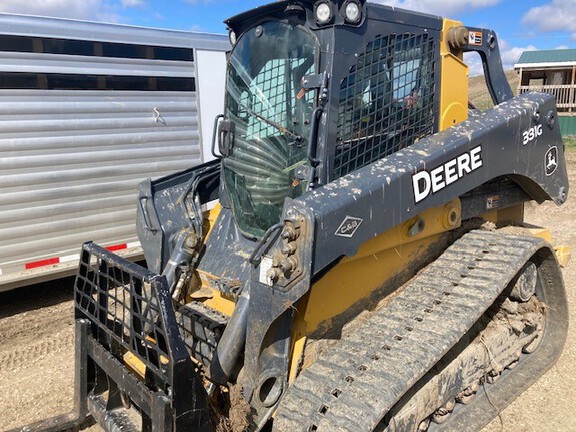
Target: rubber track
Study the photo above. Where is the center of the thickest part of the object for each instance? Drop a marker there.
(359, 379)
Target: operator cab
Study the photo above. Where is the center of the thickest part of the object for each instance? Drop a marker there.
(266, 156)
(299, 114)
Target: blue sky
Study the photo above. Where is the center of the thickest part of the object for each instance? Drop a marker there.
(520, 24)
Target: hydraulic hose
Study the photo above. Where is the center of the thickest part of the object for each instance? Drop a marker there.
(231, 343)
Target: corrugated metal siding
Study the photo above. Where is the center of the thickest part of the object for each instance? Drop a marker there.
(70, 162)
(102, 32)
(567, 125)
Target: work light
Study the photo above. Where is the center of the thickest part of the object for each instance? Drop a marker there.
(352, 12)
(232, 37)
(323, 12)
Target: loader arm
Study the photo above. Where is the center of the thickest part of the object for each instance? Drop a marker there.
(485, 43)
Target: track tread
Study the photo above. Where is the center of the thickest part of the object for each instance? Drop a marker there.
(395, 339)
(27, 355)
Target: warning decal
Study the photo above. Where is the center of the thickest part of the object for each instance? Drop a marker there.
(475, 38)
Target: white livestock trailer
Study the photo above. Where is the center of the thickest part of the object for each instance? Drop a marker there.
(87, 111)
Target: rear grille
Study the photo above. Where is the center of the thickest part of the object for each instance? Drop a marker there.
(386, 101)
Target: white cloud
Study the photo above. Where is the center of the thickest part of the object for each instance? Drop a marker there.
(443, 7)
(474, 63)
(510, 55)
(98, 10)
(133, 3)
(557, 15)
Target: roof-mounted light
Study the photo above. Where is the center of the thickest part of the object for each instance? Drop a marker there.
(232, 37)
(352, 11)
(323, 12)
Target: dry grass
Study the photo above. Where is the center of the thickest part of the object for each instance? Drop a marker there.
(478, 92)
(570, 142)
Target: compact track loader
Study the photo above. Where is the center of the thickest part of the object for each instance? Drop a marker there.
(356, 258)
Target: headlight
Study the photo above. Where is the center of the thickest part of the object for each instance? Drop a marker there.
(232, 37)
(323, 12)
(353, 12)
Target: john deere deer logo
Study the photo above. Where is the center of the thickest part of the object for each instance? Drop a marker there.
(551, 161)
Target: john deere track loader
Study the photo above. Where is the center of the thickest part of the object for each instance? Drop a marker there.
(356, 258)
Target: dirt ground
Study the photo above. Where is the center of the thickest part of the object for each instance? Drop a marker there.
(36, 348)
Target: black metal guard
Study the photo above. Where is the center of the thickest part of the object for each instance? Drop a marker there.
(387, 100)
(130, 310)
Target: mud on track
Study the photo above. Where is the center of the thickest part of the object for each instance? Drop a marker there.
(37, 327)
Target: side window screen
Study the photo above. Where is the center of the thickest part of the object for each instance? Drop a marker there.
(275, 97)
(91, 48)
(386, 101)
(45, 46)
(39, 81)
(269, 100)
(68, 47)
(16, 43)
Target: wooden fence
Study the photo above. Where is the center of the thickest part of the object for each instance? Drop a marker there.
(564, 94)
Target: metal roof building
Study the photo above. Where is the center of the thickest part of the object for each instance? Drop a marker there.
(552, 71)
(547, 58)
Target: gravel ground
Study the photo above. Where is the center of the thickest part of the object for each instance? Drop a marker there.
(548, 406)
(36, 348)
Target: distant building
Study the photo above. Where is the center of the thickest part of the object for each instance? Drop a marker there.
(552, 71)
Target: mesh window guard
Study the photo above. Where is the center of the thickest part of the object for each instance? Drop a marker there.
(387, 100)
(270, 88)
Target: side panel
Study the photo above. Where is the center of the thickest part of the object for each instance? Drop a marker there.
(519, 138)
(79, 132)
(71, 162)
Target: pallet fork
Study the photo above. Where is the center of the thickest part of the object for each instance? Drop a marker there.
(116, 303)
